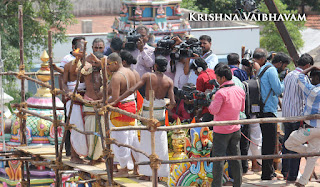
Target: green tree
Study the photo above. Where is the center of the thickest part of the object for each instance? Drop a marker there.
(295, 4)
(39, 17)
(269, 35)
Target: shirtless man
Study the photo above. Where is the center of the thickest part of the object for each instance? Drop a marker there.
(69, 80)
(162, 86)
(122, 79)
(127, 61)
(93, 81)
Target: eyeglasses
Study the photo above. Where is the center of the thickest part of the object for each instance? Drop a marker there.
(98, 47)
(108, 64)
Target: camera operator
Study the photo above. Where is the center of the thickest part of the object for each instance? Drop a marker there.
(184, 107)
(207, 54)
(172, 48)
(140, 50)
(200, 67)
(164, 48)
(190, 49)
(226, 104)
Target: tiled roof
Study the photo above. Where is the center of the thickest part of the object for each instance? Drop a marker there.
(100, 24)
(313, 21)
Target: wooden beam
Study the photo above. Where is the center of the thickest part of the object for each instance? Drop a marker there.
(283, 32)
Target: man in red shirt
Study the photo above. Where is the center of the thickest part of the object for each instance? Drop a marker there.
(204, 74)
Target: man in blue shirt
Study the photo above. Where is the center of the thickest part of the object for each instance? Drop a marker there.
(233, 62)
(271, 88)
(311, 131)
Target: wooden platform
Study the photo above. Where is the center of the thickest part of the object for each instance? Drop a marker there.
(48, 154)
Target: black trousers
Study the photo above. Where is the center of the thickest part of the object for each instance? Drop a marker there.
(244, 146)
(269, 134)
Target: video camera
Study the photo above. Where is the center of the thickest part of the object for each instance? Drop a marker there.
(247, 58)
(200, 99)
(249, 5)
(164, 46)
(186, 51)
(132, 39)
(283, 74)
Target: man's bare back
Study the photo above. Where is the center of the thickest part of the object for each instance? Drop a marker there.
(160, 83)
(119, 81)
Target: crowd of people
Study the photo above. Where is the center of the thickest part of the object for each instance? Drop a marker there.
(186, 71)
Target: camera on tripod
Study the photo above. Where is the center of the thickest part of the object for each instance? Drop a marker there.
(132, 39)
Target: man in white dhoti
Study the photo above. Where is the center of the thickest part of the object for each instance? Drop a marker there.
(162, 86)
(93, 81)
(76, 118)
(122, 79)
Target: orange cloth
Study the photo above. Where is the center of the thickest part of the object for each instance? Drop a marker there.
(167, 119)
(139, 101)
(120, 120)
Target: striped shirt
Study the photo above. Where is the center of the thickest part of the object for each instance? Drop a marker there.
(68, 58)
(312, 100)
(293, 98)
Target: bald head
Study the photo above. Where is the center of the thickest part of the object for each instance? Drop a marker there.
(260, 56)
(115, 57)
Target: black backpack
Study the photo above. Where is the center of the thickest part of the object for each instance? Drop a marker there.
(254, 104)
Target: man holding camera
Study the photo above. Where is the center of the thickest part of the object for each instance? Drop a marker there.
(226, 104)
(271, 88)
(144, 52)
(207, 54)
(292, 105)
(200, 67)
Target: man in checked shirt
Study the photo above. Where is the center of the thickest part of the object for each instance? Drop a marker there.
(311, 131)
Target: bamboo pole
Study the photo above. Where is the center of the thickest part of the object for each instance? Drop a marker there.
(26, 73)
(28, 171)
(129, 146)
(16, 105)
(223, 123)
(56, 144)
(108, 159)
(16, 158)
(240, 157)
(2, 101)
(23, 121)
(60, 123)
(23, 98)
(153, 140)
